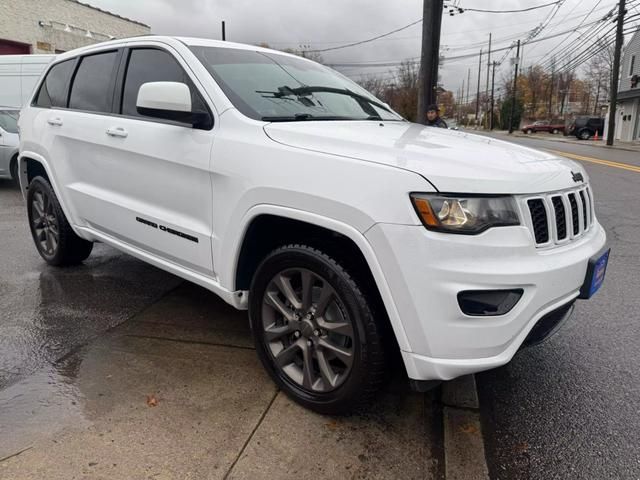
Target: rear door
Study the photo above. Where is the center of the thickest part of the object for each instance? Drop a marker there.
(142, 180)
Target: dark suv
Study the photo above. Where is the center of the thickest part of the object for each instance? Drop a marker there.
(586, 127)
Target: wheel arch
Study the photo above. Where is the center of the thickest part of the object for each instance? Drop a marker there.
(263, 230)
(32, 165)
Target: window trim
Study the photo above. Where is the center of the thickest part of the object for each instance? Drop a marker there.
(121, 80)
(632, 62)
(112, 81)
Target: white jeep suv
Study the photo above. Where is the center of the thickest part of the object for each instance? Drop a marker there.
(348, 233)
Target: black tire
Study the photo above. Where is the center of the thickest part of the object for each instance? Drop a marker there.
(529, 132)
(52, 235)
(13, 169)
(554, 131)
(585, 134)
(362, 379)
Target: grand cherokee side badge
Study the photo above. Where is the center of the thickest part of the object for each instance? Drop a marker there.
(577, 177)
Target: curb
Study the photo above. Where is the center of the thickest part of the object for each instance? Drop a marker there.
(464, 454)
(591, 143)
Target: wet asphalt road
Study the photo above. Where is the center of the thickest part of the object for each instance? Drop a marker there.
(568, 409)
(47, 312)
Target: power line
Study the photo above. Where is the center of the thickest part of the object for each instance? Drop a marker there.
(367, 40)
(464, 9)
(374, 63)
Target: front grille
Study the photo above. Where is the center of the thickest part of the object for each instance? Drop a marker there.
(585, 216)
(560, 217)
(539, 220)
(574, 213)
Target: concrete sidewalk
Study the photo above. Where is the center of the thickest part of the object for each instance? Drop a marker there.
(178, 392)
(618, 145)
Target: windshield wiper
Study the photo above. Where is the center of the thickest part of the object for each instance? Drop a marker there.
(286, 91)
(301, 117)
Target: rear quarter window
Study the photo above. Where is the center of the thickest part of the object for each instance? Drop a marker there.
(54, 88)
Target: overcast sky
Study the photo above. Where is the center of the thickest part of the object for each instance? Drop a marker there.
(330, 23)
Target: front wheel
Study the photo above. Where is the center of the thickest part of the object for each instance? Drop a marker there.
(314, 330)
(554, 131)
(54, 238)
(529, 132)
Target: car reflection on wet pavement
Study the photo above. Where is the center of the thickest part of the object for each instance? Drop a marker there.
(46, 312)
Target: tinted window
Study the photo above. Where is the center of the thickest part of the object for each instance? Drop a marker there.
(91, 88)
(53, 92)
(9, 120)
(279, 87)
(152, 65)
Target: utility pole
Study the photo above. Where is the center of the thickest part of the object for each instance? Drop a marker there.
(616, 72)
(431, 25)
(224, 33)
(515, 90)
(486, 93)
(468, 83)
(478, 94)
(595, 105)
(553, 71)
(461, 99)
(493, 83)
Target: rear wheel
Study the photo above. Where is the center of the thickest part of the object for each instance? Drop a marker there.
(314, 330)
(54, 238)
(585, 134)
(13, 170)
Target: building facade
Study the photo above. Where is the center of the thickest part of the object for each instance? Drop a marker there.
(628, 113)
(55, 26)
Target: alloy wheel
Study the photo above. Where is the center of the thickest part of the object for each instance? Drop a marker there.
(45, 223)
(307, 330)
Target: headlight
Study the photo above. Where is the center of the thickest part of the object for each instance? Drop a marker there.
(466, 214)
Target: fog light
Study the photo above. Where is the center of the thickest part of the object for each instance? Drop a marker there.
(484, 303)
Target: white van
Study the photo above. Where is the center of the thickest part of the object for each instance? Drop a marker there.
(18, 77)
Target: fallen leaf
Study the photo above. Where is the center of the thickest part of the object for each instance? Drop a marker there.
(152, 401)
(332, 425)
(468, 428)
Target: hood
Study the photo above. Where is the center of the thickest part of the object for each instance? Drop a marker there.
(453, 161)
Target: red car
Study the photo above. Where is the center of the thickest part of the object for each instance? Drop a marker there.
(543, 126)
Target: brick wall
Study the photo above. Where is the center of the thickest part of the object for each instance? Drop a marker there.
(61, 25)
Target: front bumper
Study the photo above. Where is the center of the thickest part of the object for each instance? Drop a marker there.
(426, 270)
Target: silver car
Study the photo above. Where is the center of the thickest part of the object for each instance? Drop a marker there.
(9, 143)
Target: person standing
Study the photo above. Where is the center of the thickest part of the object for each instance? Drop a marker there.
(433, 117)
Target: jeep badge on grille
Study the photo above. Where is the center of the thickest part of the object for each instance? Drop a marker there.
(577, 177)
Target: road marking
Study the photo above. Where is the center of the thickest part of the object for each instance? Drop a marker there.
(608, 163)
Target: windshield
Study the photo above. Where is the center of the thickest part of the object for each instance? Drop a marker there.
(273, 87)
(9, 120)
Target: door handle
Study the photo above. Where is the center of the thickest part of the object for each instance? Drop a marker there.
(117, 132)
(55, 121)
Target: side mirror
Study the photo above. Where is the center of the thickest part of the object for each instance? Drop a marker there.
(166, 100)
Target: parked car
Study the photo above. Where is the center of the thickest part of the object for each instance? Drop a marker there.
(9, 143)
(19, 75)
(543, 126)
(586, 127)
(290, 191)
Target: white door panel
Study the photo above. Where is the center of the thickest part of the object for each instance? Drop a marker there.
(150, 188)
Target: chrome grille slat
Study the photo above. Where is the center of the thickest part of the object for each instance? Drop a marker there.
(558, 218)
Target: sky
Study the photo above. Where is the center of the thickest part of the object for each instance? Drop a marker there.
(330, 23)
